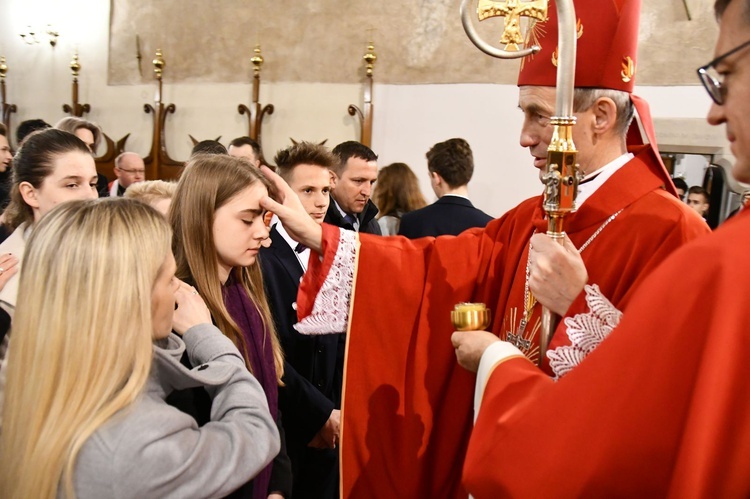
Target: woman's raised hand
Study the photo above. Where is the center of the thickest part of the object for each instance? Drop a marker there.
(191, 309)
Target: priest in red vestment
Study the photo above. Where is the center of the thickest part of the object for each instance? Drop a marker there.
(407, 405)
(661, 409)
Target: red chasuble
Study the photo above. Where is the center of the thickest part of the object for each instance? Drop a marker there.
(407, 407)
(660, 409)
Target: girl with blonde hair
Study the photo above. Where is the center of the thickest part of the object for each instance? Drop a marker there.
(51, 167)
(219, 228)
(156, 193)
(92, 362)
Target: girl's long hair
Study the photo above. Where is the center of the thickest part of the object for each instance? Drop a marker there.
(397, 191)
(207, 184)
(81, 343)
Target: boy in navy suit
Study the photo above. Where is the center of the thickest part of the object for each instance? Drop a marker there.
(311, 398)
(451, 165)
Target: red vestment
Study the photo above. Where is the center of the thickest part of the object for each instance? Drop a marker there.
(660, 409)
(407, 408)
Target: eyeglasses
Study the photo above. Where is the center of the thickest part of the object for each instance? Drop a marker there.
(712, 80)
(132, 172)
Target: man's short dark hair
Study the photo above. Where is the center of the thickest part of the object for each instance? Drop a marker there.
(3, 130)
(29, 126)
(208, 147)
(302, 153)
(351, 149)
(246, 141)
(697, 189)
(680, 183)
(452, 160)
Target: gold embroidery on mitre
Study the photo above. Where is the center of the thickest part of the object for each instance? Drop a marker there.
(534, 32)
(628, 69)
(579, 34)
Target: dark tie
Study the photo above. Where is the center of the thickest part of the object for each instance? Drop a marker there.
(350, 219)
(300, 248)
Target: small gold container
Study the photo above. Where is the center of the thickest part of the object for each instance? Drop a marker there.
(470, 317)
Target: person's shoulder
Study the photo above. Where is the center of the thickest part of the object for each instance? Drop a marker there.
(15, 243)
(659, 207)
(417, 214)
(389, 225)
(412, 222)
(480, 215)
(524, 209)
(719, 257)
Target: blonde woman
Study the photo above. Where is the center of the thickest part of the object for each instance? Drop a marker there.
(86, 415)
(156, 193)
(51, 167)
(218, 231)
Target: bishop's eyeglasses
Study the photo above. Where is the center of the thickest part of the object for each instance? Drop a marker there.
(711, 79)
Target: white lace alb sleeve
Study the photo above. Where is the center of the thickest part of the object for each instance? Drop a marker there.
(330, 312)
(585, 331)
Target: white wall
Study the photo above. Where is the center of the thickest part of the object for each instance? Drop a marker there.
(408, 118)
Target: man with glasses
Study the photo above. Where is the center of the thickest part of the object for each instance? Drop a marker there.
(661, 408)
(130, 169)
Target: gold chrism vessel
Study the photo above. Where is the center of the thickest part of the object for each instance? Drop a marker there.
(471, 317)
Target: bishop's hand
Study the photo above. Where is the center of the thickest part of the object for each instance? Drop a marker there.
(292, 214)
(557, 273)
(470, 346)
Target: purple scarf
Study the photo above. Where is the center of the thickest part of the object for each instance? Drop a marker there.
(260, 353)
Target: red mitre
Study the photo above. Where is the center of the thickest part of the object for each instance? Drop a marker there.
(607, 46)
(606, 58)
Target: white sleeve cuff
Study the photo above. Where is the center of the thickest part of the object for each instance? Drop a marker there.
(494, 354)
(330, 312)
(585, 332)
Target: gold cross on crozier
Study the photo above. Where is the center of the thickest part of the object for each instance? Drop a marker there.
(512, 10)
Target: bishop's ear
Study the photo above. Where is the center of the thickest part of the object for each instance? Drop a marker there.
(605, 115)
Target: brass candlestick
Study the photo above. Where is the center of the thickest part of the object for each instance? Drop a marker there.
(257, 60)
(471, 317)
(159, 64)
(366, 117)
(76, 109)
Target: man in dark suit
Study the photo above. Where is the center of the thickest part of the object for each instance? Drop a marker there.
(451, 165)
(310, 401)
(352, 178)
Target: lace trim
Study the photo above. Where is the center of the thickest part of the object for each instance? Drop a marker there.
(585, 331)
(330, 313)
